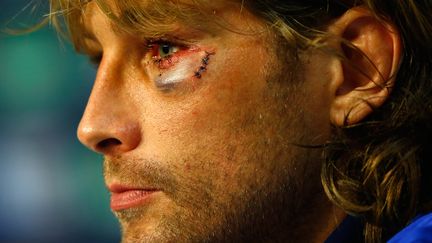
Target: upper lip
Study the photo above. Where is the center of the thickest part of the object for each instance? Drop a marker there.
(119, 188)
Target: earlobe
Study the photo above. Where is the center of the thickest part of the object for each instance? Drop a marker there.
(371, 50)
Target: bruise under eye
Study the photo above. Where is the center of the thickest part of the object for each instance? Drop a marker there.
(179, 67)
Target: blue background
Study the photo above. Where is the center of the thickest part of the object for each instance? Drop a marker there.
(51, 186)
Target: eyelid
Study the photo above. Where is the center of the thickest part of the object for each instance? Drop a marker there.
(151, 45)
(168, 39)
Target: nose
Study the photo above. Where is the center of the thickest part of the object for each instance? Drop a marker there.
(110, 138)
(109, 124)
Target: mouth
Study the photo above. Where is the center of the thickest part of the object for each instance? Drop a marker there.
(125, 197)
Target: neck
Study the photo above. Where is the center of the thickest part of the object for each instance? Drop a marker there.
(316, 224)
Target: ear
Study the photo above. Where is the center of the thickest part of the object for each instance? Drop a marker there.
(371, 51)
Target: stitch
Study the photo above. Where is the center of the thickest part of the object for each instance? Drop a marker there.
(204, 61)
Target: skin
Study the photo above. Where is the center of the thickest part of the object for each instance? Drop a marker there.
(218, 148)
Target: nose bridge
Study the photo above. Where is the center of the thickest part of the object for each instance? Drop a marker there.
(107, 88)
(107, 125)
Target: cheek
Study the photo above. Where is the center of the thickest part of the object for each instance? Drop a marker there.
(206, 123)
(318, 78)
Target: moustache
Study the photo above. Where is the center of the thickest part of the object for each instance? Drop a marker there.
(140, 173)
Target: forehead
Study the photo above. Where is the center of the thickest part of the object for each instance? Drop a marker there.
(180, 8)
(158, 15)
(153, 19)
(157, 18)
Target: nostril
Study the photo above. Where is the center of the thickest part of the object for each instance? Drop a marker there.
(120, 137)
(108, 143)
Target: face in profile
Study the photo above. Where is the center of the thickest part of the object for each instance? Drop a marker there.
(200, 129)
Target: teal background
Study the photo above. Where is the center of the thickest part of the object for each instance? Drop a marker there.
(51, 187)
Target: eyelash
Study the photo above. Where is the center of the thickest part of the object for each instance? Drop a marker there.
(153, 48)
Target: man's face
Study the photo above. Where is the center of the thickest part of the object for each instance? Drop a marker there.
(198, 134)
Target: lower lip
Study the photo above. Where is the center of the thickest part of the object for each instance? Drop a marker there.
(129, 199)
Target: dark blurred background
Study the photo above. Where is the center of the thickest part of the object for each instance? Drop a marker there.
(51, 187)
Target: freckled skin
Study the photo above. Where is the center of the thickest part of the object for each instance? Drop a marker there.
(219, 147)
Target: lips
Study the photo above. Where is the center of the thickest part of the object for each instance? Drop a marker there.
(123, 197)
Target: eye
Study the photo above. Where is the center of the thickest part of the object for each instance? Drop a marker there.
(162, 49)
(166, 49)
(165, 54)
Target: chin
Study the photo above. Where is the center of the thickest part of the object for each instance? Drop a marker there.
(141, 233)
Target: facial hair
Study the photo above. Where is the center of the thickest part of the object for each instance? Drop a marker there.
(275, 190)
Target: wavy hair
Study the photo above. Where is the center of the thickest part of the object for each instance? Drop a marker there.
(378, 170)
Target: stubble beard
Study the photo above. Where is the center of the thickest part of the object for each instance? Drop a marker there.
(267, 208)
(269, 212)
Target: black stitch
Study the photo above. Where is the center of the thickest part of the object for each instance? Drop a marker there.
(203, 67)
(205, 60)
